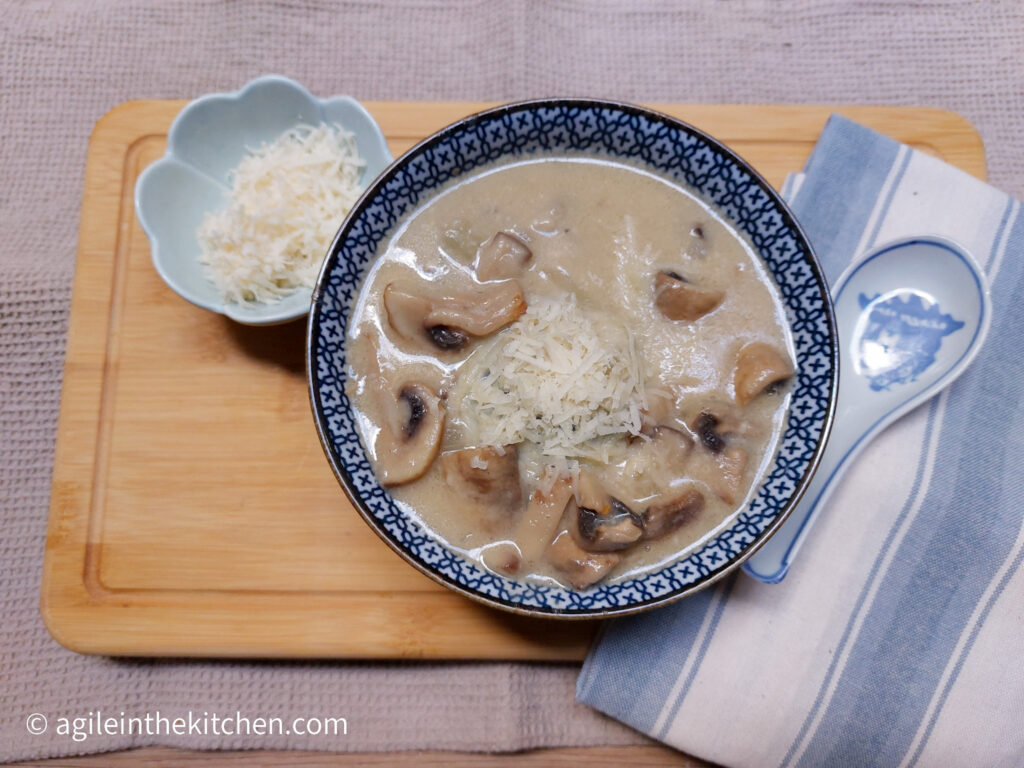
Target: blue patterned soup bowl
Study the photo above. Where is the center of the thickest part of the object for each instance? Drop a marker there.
(605, 130)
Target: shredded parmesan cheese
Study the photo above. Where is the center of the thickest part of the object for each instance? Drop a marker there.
(559, 379)
(287, 201)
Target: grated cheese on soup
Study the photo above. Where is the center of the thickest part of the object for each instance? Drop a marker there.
(557, 378)
(288, 199)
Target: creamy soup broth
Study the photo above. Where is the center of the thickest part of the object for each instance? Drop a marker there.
(610, 246)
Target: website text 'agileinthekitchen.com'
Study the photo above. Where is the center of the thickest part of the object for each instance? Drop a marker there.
(80, 727)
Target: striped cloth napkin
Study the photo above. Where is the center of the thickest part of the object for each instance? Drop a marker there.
(897, 639)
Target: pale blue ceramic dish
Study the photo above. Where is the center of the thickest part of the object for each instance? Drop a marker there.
(666, 146)
(205, 142)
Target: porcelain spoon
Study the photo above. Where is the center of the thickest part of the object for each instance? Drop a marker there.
(911, 316)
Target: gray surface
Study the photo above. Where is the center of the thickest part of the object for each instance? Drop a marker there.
(63, 65)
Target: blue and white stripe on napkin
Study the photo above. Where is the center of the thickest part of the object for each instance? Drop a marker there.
(897, 638)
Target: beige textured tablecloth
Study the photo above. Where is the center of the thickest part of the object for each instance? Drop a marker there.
(63, 64)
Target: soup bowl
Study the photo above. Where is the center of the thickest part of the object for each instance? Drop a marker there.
(616, 132)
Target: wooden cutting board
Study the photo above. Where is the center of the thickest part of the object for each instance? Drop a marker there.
(193, 512)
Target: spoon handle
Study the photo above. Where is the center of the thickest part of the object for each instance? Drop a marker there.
(771, 562)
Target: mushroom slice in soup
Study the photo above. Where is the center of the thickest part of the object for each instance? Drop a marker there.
(536, 528)
(722, 472)
(407, 314)
(502, 257)
(674, 511)
(709, 430)
(488, 474)
(677, 299)
(580, 567)
(609, 531)
(732, 465)
(590, 492)
(446, 320)
(481, 310)
(725, 419)
(758, 366)
(410, 433)
(541, 518)
(598, 521)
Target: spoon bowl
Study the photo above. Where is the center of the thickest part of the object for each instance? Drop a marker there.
(911, 316)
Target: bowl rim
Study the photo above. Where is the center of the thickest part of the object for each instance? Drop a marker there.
(345, 480)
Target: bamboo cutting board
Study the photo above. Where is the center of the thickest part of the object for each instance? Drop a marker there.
(192, 510)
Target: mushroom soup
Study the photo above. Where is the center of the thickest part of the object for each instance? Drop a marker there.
(569, 369)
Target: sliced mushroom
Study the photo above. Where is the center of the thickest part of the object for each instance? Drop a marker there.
(480, 311)
(447, 321)
(618, 528)
(448, 338)
(407, 312)
(729, 418)
(598, 521)
(718, 421)
(722, 472)
(706, 427)
(665, 516)
(410, 434)
(488, 474)
(677, 299)
(580, 567)
(502, 257)
(758, 366)
(732, 465)
(540, 520)
(590, 493)
(534, 531)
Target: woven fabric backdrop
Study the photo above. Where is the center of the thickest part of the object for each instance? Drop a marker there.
(63, 64)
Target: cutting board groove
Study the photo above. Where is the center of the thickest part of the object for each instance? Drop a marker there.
(192, 511)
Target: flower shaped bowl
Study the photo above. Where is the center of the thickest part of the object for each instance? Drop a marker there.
(207, 139)
(613, 131)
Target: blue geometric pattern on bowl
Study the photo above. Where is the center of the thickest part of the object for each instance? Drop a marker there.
(613, 131)
(207, 139)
